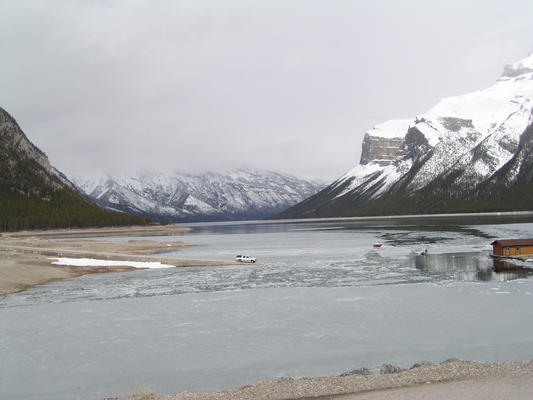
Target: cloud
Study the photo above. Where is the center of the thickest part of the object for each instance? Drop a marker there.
(195, 85)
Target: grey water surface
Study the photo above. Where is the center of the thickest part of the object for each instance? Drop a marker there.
(321, 301)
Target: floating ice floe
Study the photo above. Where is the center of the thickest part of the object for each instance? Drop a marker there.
(91, 262)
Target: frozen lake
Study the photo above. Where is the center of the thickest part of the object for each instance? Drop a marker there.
(321, 301)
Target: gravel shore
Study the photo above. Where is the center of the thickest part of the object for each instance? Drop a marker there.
(351, 386)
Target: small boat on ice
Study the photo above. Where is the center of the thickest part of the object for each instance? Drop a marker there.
(378, 245)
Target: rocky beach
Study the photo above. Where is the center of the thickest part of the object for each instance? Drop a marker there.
(452, 380)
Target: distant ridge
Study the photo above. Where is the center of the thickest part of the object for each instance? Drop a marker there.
(469, 153)
(213, 196)
(33, 195)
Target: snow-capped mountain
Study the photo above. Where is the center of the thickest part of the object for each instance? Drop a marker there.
(236, 195)
(467, 153)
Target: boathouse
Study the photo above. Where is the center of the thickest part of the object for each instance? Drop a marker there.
(513, 248)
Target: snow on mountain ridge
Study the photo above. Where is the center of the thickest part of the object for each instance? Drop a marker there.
(521, 67)
(492, 119)
(214, 195)
(394, 128)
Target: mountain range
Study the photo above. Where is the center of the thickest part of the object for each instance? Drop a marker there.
(212, 196)
(469, 153)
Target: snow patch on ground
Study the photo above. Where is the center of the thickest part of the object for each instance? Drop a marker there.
(92, 262)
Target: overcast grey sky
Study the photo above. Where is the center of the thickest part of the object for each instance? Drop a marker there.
(204, 85)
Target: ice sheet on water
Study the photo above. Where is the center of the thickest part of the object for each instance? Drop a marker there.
(376, 268)
(508, 231)
(261, 334)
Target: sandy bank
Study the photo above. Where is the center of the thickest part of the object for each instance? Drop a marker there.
(448, 380)
(25, 256)
(155, 230)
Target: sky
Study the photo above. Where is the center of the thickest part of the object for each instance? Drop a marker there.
(193, 86)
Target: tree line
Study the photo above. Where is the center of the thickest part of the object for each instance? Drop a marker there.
(30, 198)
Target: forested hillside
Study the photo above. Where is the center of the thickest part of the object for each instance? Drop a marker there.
(33, 197)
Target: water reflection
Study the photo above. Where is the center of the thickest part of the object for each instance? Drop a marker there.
(474, 266)
(511, 268)
(462, 223)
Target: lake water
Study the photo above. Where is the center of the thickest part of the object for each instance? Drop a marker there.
(321, 301)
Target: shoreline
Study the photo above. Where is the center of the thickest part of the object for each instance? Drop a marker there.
(26, 257)
(409, 216)
(156, 230)
(446, 377)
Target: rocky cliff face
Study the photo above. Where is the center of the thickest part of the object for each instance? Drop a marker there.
(236, 195)
(380, 150)
(15, 145)
(468, 153)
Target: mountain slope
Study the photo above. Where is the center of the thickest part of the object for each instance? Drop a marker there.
(32, 196)
(468, 153)
(236, 195)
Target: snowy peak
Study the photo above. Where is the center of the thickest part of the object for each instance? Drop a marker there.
(522, 67)
(481, 111)
(440, 160)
